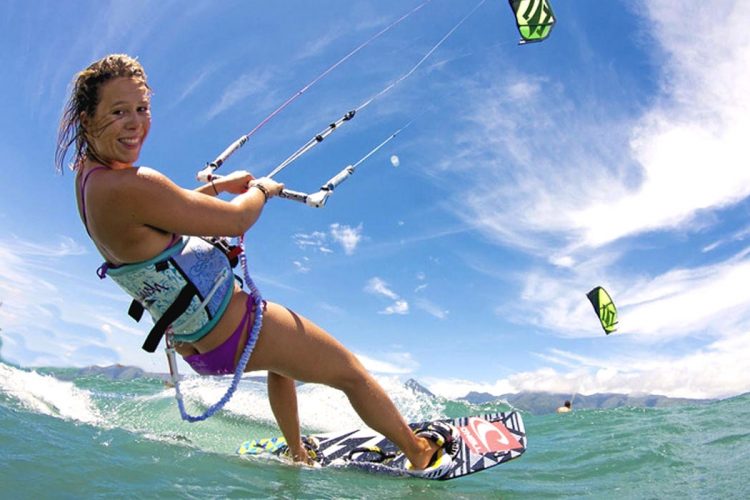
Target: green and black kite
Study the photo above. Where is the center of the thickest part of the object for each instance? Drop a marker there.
(534, 19)
(604, 308)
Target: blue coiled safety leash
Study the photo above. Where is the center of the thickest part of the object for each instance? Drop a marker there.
(252, 339)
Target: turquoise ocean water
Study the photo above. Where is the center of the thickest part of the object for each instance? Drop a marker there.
(93, 437)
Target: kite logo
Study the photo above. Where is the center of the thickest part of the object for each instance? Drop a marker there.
(487, 437)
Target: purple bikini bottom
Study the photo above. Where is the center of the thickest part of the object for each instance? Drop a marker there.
(220, 360)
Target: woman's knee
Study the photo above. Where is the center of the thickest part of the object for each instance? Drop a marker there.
(274, 378)
(352, 378)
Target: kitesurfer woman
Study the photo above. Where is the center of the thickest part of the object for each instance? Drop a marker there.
(140, 221)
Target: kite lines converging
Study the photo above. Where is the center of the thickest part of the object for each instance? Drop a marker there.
(204, 175)
(534, 20)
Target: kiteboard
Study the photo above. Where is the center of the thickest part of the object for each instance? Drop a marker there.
(480, 443)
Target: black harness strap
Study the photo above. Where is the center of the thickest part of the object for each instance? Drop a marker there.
(174, 311)
(135, 310)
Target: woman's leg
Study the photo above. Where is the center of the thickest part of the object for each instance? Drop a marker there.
(292, 346)
(282, 394)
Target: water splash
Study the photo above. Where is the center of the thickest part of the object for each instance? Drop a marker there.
(47, 395)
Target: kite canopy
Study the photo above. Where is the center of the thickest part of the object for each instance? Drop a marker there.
(534, 19)
(604, 308)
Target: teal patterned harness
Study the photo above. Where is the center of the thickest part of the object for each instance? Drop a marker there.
(187, 288)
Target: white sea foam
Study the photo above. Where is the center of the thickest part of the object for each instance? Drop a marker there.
(47, 395)
(321, 408)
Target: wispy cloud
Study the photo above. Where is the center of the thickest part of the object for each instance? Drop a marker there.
(318, 46)
(400, 306)
(315, 240)
(561, 178)
(397, 363)
(348, 237)
(576, 185)
(63, 247)
(692, 375)
(244, 86)
(345, 236)
(302, 265)
(431, 308)
(740, 235)
(42, 326)
(682, 302)
(193, 84)
(377, 286)
(335, 310)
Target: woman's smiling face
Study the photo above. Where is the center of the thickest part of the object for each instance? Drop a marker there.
(121, 122)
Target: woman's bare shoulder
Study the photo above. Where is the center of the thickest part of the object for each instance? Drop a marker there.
(138, 182)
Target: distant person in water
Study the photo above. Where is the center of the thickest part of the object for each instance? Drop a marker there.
(141, 223)
(565, 408)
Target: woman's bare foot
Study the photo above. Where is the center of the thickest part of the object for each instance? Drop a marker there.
(427, 450)
(431, 458)
(300, 454)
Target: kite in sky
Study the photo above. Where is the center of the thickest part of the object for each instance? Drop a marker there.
(534, 19)
(604, 308)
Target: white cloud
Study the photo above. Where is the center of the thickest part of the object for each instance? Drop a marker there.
(710, 300)
(316, 240)
(377, 286)
(685, 302)
(577, 197)
(318, 45)
(431, 308)
(563, 179)
(44, 326)
(739, 235)
(562, 260)
(524, 90)
(394, 363)
(197, 80)
(716, 371)
(301, 265)
(244, 86)
(332, 309)
(64, 247)
(348, 237)
(399, 307)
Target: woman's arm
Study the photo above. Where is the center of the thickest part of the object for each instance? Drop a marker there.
(149, 198)
(235, 183)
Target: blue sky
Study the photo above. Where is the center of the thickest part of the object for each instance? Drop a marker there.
(612, 154)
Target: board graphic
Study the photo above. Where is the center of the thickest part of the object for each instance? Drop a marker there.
(481, 442)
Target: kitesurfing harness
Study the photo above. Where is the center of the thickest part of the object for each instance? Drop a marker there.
(185, 288)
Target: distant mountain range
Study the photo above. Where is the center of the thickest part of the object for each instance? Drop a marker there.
(121, 372)
(533, 402)
(112, 372)
(545, 402)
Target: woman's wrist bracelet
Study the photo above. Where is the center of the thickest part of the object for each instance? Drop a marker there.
(262, 190)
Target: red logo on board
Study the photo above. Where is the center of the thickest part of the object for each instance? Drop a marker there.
(487, 437)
